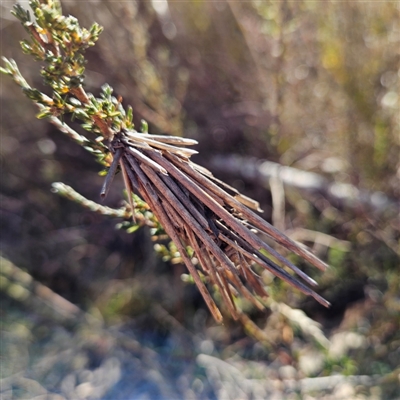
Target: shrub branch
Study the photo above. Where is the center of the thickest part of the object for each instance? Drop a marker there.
(211, 224)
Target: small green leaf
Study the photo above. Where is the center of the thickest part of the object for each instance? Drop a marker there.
(144, 128)
(87, 127)
(5, 71)
(107, 90)
(32, 94)
(26, 46)
(133, 228)
(44, 114)
(187, 278)
(79, 113)
(75, 102)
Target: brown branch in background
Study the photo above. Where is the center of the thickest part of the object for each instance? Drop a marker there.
(260, 172)
(278, 202)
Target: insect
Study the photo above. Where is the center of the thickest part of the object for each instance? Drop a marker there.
(215, 220)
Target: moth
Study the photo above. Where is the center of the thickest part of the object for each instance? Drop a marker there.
(215, 220)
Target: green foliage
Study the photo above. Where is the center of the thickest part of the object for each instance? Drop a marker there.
(57, 40)
(345, 365)
(61, 43)
(336, 257)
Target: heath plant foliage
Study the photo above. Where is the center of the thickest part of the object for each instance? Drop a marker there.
(212, 226)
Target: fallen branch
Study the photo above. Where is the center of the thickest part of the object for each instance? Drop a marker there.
(261, 171)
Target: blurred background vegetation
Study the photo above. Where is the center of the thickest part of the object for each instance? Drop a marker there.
(89, 311)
